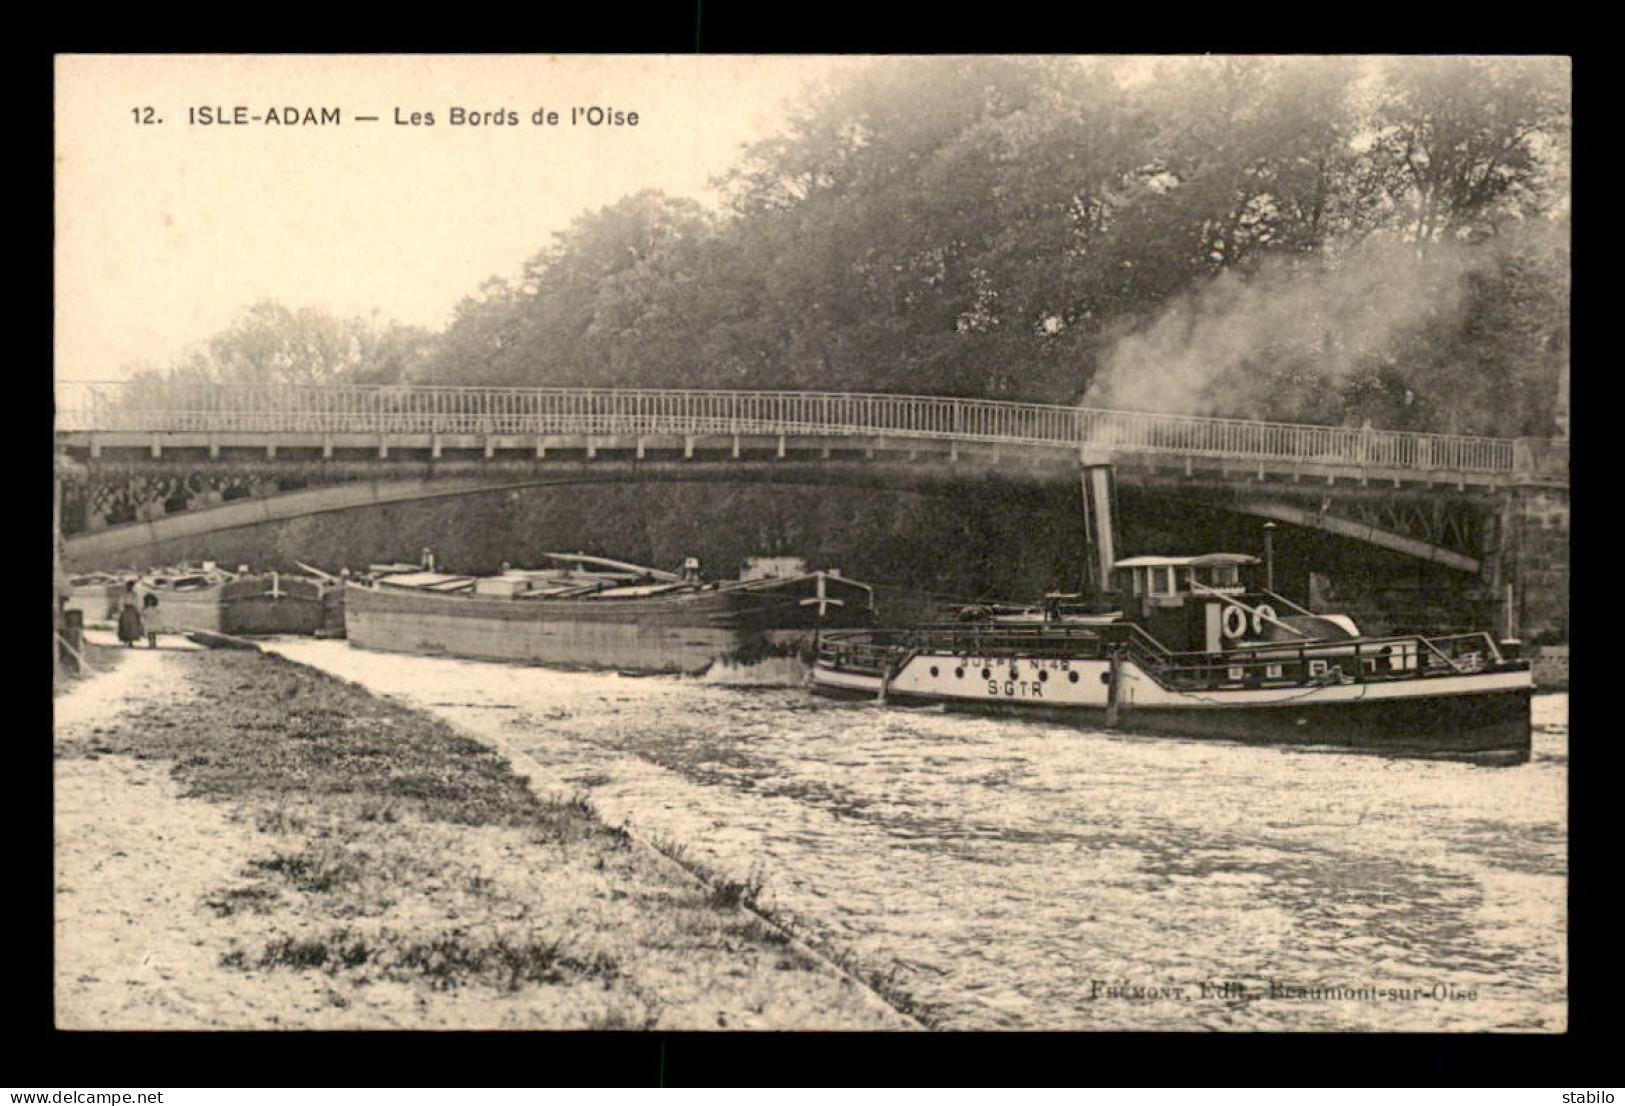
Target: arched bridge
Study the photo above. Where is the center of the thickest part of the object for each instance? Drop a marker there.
(149, 462)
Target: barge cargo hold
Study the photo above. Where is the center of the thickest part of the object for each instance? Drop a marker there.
(1201, 656)
(594, 613)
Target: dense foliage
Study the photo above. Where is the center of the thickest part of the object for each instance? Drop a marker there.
(1302, 239)
(1311, 239)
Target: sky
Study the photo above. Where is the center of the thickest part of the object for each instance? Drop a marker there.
(168, 228)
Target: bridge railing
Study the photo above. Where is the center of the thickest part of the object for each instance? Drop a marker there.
(429, 409)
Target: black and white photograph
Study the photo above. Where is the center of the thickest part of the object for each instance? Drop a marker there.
(837, 543)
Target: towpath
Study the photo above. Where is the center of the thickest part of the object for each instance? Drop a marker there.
(232, 851)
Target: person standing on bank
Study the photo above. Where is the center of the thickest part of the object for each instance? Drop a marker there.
(129, 618)
(149, 619)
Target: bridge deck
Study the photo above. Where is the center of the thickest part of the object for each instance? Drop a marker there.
(335, 419)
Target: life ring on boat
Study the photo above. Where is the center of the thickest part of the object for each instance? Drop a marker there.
(1235, 622)
(1262, 614)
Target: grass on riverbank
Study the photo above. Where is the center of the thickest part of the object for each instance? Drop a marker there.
(406, 868)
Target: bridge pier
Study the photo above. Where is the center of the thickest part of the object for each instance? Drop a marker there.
(1529, 569)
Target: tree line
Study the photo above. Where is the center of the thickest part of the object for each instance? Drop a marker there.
(1376, 241)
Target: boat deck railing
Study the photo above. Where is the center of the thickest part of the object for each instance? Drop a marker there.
(1394, 657)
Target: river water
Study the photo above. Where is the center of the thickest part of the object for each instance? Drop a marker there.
(1023, 875)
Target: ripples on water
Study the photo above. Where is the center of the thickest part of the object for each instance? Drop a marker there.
(1015, 873)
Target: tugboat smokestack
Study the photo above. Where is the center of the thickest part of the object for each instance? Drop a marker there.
(1100, 524)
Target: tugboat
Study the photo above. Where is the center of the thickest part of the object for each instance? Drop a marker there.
(1183, 647)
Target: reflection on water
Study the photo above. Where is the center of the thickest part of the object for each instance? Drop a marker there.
(1030, 876)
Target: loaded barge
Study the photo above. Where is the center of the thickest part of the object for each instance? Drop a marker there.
(209, 599)
(595, 613)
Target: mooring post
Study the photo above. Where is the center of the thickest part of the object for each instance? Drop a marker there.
(72, 637)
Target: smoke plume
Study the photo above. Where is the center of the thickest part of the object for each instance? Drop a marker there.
(1283, 342)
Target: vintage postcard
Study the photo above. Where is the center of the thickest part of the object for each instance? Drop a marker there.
(885, 543)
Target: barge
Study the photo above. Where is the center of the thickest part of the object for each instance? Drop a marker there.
(212, 600)
(595, 613)
(1195, 653)
(97, 596)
